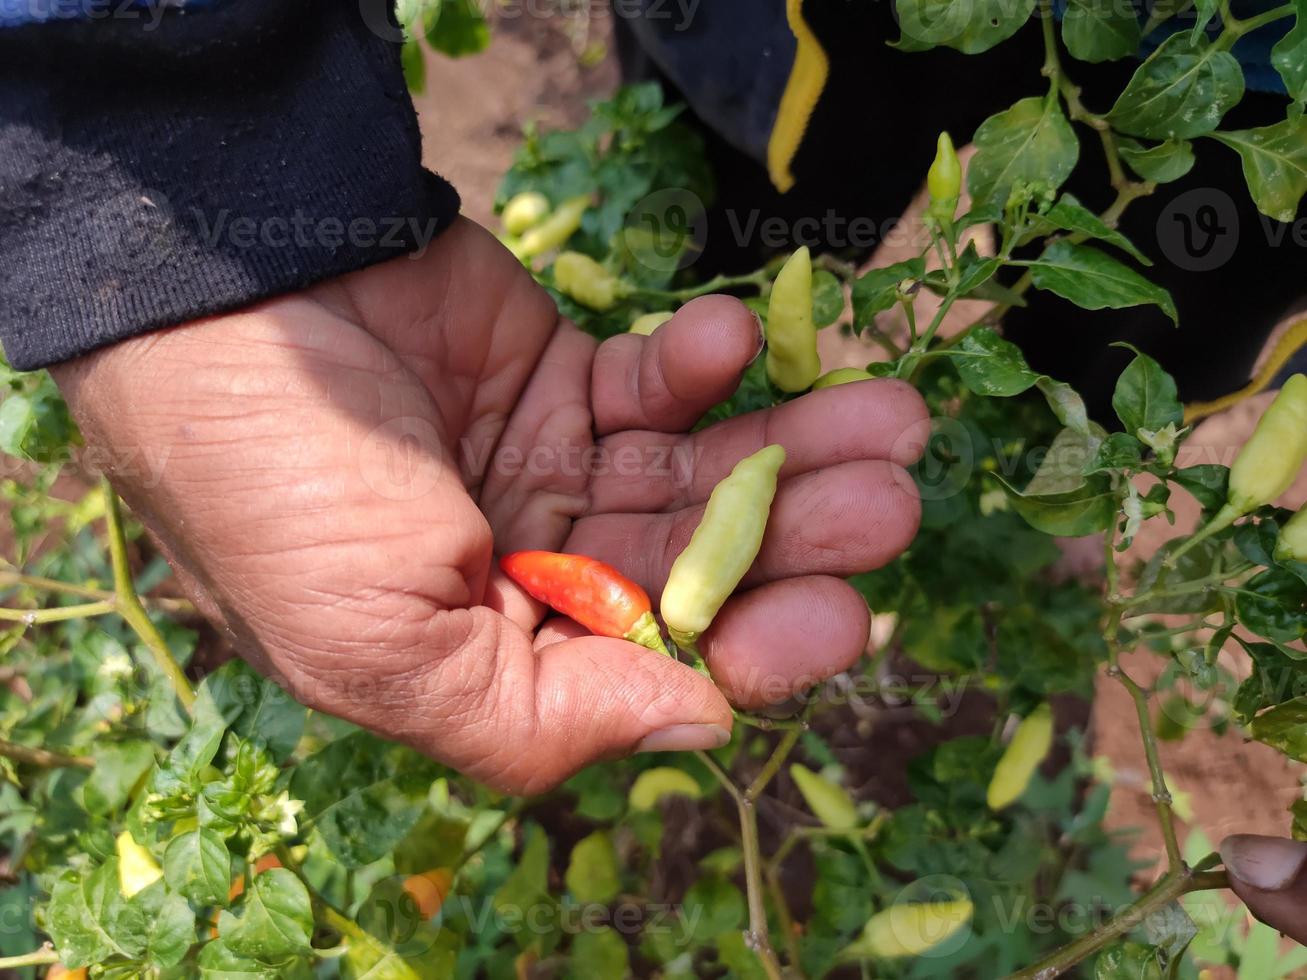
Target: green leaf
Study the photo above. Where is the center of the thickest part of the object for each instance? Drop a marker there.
(1146, 397)
(592, 875)
(1063, 469)
(364, 795)
(1068, 214)
(119, 766)
(1183, 90)
(170, 924)
(734, 953)
(528, 885)
(1208, 482)
(255, 708)
(218, 962)
(877, 290)
(1162, 163)
(456, 27)
(1030, 145)
(599, 954)
(1088, 510)
(969, 26)
(1066, 404)
(197, 865)
(1289, 56)
(276, 919)
(1274, 604)
(1119, 451)
(722, 904)
(1094, 281)
(827, 298)
(1101, 30)
(653, 784)
(1284, 728)
(17, 417)
(829, 801)
(90, 921)
(1127, 961)
(413, 59)
(1274, 165)
(991, 366)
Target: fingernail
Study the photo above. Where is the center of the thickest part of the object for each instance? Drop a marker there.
(762, 338)
(685, 738)
(1265, 863)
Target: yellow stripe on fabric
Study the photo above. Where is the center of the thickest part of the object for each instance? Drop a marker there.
(1294, 340)
(807, 80)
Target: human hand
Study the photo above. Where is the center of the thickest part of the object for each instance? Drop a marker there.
(340, 467)
(1267, 873)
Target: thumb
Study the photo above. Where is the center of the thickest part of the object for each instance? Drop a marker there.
(523, 720)
(1267, 873)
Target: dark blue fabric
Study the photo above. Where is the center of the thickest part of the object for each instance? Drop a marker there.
(155, 172)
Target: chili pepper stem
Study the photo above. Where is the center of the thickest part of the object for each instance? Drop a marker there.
(1224, 518)
(645, 632)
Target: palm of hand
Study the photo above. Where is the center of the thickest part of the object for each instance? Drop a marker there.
(340, 467)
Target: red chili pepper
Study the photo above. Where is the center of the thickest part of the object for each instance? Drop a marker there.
(597, 596)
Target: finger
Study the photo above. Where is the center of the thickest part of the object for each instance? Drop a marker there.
(665, 382)
(471, 691)
(646, 472)
(1267, 873)
(781, 639)
(842, 520)
(556, 630)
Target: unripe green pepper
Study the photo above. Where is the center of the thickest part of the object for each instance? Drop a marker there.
(829, 802)
(1266, 466)
(944, 181)
(1292, 545)
(1273, 456)
(722, 548)
(647, 324)
(792, 362)
(840, 376)
(1021, 759)
(587, 282)
(524, 211)
(555, 230)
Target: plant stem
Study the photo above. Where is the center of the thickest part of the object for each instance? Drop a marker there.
(14, 578)
(1161, 792)
(758, 938)
(57, 614)
(1166, 891)
(44, 758)
(41, 957)
(129, 603)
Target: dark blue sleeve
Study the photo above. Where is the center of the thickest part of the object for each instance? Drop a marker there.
(161, 162)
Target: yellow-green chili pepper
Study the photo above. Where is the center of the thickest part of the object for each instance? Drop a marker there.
(555, 230)
(722, 548)
(840, 376)
(524, 211)
(647, 324)
(829, 802)
(587, 282)
(909, 930)
(137, 869)
(1021, 759)
(1292, 545)
(1268, 463)
(944, 181)
(792, 362)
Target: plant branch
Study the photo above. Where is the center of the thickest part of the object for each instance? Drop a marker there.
(15, 578)
(1166, 891)
(57, 614)
(44, 956)
(43, 758)
(129, 603)
(1161, 792)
